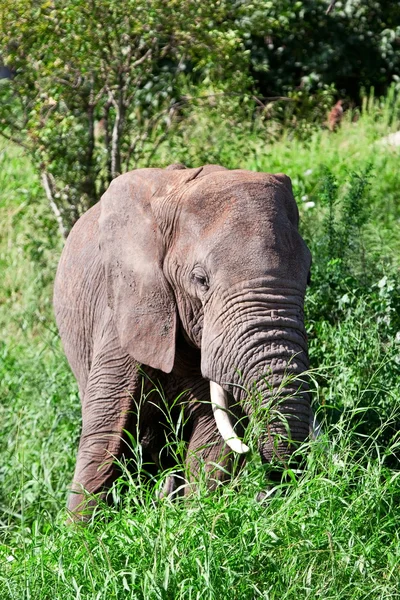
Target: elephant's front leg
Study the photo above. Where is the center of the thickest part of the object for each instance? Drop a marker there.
(208, 451)
(108, 410)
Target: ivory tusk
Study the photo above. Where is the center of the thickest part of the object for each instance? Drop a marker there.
(219, 400)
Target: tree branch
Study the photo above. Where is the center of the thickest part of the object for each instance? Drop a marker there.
(48, 184)
(14, 140)
(141, 60)
(115, 149)
(330, 7)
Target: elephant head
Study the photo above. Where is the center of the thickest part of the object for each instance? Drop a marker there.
(214, 257)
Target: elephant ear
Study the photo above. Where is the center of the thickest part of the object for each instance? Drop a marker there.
(132, 250)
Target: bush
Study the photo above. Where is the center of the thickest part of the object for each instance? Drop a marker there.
(353, 310)
(97, 85)
(296, 44)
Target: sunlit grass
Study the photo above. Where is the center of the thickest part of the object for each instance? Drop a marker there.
(334, 533)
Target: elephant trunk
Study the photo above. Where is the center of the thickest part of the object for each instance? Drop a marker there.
(283, 417)
(261, 363)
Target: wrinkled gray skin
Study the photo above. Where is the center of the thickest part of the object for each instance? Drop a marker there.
(191, 275)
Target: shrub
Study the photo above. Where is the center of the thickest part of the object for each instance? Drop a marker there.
(354, 310)
(96, 84)
(297, 45)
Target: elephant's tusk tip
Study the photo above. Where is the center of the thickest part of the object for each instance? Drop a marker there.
(220, 408)
(237, 445)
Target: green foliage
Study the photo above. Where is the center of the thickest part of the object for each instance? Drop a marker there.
(302, 112)
(296, 44)
(96, 84)
(99, 86)
(353, 306)
(340, 252)
(334, 533)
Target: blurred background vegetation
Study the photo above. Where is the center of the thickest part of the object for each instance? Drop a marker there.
(96, 88)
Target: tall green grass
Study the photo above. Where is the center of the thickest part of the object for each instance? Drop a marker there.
(332, 532)
(39, 406)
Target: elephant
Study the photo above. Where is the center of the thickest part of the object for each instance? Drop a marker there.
(193, 278)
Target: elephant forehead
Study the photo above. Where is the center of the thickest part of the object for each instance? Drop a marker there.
(274, 251)
(228, 196)
(217, 212)
(242, 223)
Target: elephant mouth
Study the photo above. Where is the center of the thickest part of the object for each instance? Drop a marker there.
(219, 400)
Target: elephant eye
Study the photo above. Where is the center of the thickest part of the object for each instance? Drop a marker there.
(200, 279)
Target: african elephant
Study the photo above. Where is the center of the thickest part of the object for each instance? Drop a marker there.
(194, 278)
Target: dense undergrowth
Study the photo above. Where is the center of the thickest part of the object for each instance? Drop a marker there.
(334, 532)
